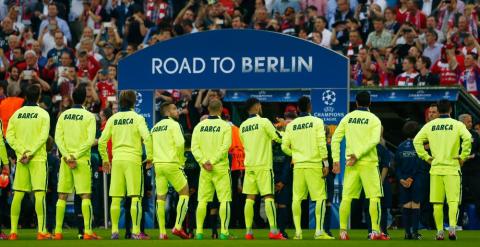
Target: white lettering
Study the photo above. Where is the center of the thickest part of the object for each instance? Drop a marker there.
(246, 65)
(307, 65)
(185, 66)
(215, 64)
(197, 61)
(232, 65)
(259, 64)
(272, 63)
(156, 65)
(173, 61)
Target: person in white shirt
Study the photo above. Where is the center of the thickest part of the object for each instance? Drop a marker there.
(320, 26)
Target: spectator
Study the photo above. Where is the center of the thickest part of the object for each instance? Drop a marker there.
(282, 6)
(409, 75)
(391, 23)
(106, 87)
(47, 37)
(354, 45)
(157, 11)
(108, 56)
(13, 43)
(321, 27)
(87, 66)
(425, 77)
(415, 16)
(470, 76)
(13, 13)
(136, 27)
(380, 38)
(6, 31)
(461, 33)
(320, 7)
(433, 49)
(429, 6)
(89, 46)
(40, 13)
(260, 18)
(342, 13)
(432, 25)
(447, 66)
(86, 34)
(109, 34)
(447, 15)
(93, 15)
(10, 105)
(32, 72)
(52, 15)
(471, 45)
(402, 12)
(60, 47)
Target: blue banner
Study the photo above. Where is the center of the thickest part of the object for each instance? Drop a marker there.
(409, 95)
(234, 59)
(331, 105)
(265, 96)
(145, 106)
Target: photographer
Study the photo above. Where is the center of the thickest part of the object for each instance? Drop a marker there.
(136, 27)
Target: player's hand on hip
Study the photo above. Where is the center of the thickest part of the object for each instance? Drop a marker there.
(460, 161)
(336, 167)
(279, 186)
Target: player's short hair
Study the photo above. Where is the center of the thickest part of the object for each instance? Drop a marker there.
(462, 117)
(433, 105)
(444, 106)
(411, 60)
(304, 103)
(251, 102)
(127, 99)
(426, 61)
(363, 99)
(33, 93)
(79, 94)
(410, 129)
(214, 105)
(164, 108)
(188, 140)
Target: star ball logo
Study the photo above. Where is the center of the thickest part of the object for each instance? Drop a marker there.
(329, 97)
(139, 99)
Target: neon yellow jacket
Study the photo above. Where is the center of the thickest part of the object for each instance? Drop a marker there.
(304, 140)
(211, 140)
(127, 130)
(28, 130)
(256, 134)
(75, 133)
(443, 135)
(362, 131)
(3, 150)
(168, 143)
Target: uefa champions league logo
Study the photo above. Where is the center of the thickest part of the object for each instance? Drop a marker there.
(139, 100)
(329, 97)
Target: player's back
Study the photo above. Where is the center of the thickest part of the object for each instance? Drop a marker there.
(73, 125)
(257, 134)
(362, 132)
(126, 135)
(30, 125)
(444, 136)
(168, 142)
(213, 137)
(306, 135)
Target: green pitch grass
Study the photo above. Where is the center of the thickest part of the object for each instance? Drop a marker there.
(466, 238)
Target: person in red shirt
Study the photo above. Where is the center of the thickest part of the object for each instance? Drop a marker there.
(10, 104)
(402, 12)
(88, 66)
(447, 67)
(106, 88)
(415, 16)
(407, 78)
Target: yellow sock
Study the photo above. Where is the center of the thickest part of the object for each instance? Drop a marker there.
(161, 216)
(438, 215)
(87, 213)
(375, 211)
(271, 212)
(452, 214)
(201, 213)
(248, 212)
(224, 217)
(41, 210)
(136, 213)
(319, 216)
(15, 210)
(59, 215)
(182, 208)
(115, 213)
(345, 206)
(297, 216)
